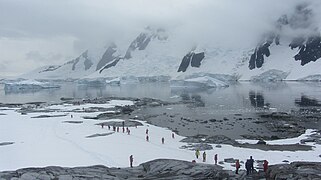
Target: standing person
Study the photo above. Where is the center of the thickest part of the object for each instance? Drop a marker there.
(147, 138)
(215, 158)
(163, 140)
(197, 153)
(131, 159)
(108, 127)
(128, 132)
(71, 116)
(173, 135)
(251, 164)
(102, 125)
(117, 129)
(248, 167)
(265, 165)
(204, 156)
(237, 166)
(123, 124)
(146, 131)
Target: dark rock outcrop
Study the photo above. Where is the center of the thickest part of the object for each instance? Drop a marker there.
(87, 61)
(295, 170)
(156, 169)
(191, 58)
(108, 57)
(167, 169)
(309, 44)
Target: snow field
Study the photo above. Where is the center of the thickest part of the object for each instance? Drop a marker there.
(51, 142)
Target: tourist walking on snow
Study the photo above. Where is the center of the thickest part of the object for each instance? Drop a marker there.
(146, 131)
(197, 153)
(204, 156)
(248, 167)
(147, 138)
(173, 135)
(131, 159)
(237, 166)
(163, 140)
(128, 132)
(265, 165)
(251, 164)
(215, 158)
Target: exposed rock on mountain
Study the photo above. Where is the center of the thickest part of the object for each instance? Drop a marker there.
(191, 58)
(308, 43)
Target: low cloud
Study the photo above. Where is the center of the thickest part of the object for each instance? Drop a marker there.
(81, 24)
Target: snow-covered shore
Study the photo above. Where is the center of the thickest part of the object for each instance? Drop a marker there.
(51, 141)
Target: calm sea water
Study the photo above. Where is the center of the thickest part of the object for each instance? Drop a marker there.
(242, 96)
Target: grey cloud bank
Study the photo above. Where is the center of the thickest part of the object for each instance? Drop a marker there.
(34, 33)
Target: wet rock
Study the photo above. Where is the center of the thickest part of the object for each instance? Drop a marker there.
(220, 139)
(6, 143)
(261, 142)
(99, 135)
(200, 146)
(49, 116)
(295, 170)
(127, 123)
(73, 122)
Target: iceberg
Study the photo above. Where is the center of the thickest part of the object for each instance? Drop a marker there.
(28, 85)
(204, 82)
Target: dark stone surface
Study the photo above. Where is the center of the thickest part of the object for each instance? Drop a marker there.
(191, 58)
(6, 143)
(309, 46)
(107, 57)
(165, 169)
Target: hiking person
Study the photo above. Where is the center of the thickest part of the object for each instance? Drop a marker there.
(147, 138)
(131, 159)
(204, 156)
(173, 135)
(146, 131)
(108, 127)
(114, 128)
(248, 166)
(71, 116)
(251, 164)
(123, 130)
(102, 125)
(123, 124)
(117, 129)
(215, 159)
(265, 165)
(163, 140)
(197, 153)
(237, 166)
(128, 132)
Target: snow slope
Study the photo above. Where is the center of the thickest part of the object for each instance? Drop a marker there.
(293, 46)
(50, 141)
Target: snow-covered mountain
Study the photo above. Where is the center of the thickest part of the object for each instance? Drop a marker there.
(292, 49)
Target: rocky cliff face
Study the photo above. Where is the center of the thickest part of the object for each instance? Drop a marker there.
(307, 43)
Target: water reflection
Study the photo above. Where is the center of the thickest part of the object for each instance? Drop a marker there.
(257, 99)
(306, 101)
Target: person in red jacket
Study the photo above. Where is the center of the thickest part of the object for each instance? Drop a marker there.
(215, 158)
(265, 165)
(237, 166)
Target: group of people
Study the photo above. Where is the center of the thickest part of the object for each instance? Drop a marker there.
(197, 154)
(249, 164)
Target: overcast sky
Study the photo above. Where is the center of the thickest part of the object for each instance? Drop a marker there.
(35, 33)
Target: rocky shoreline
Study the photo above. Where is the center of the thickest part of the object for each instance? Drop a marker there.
(166, 169)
